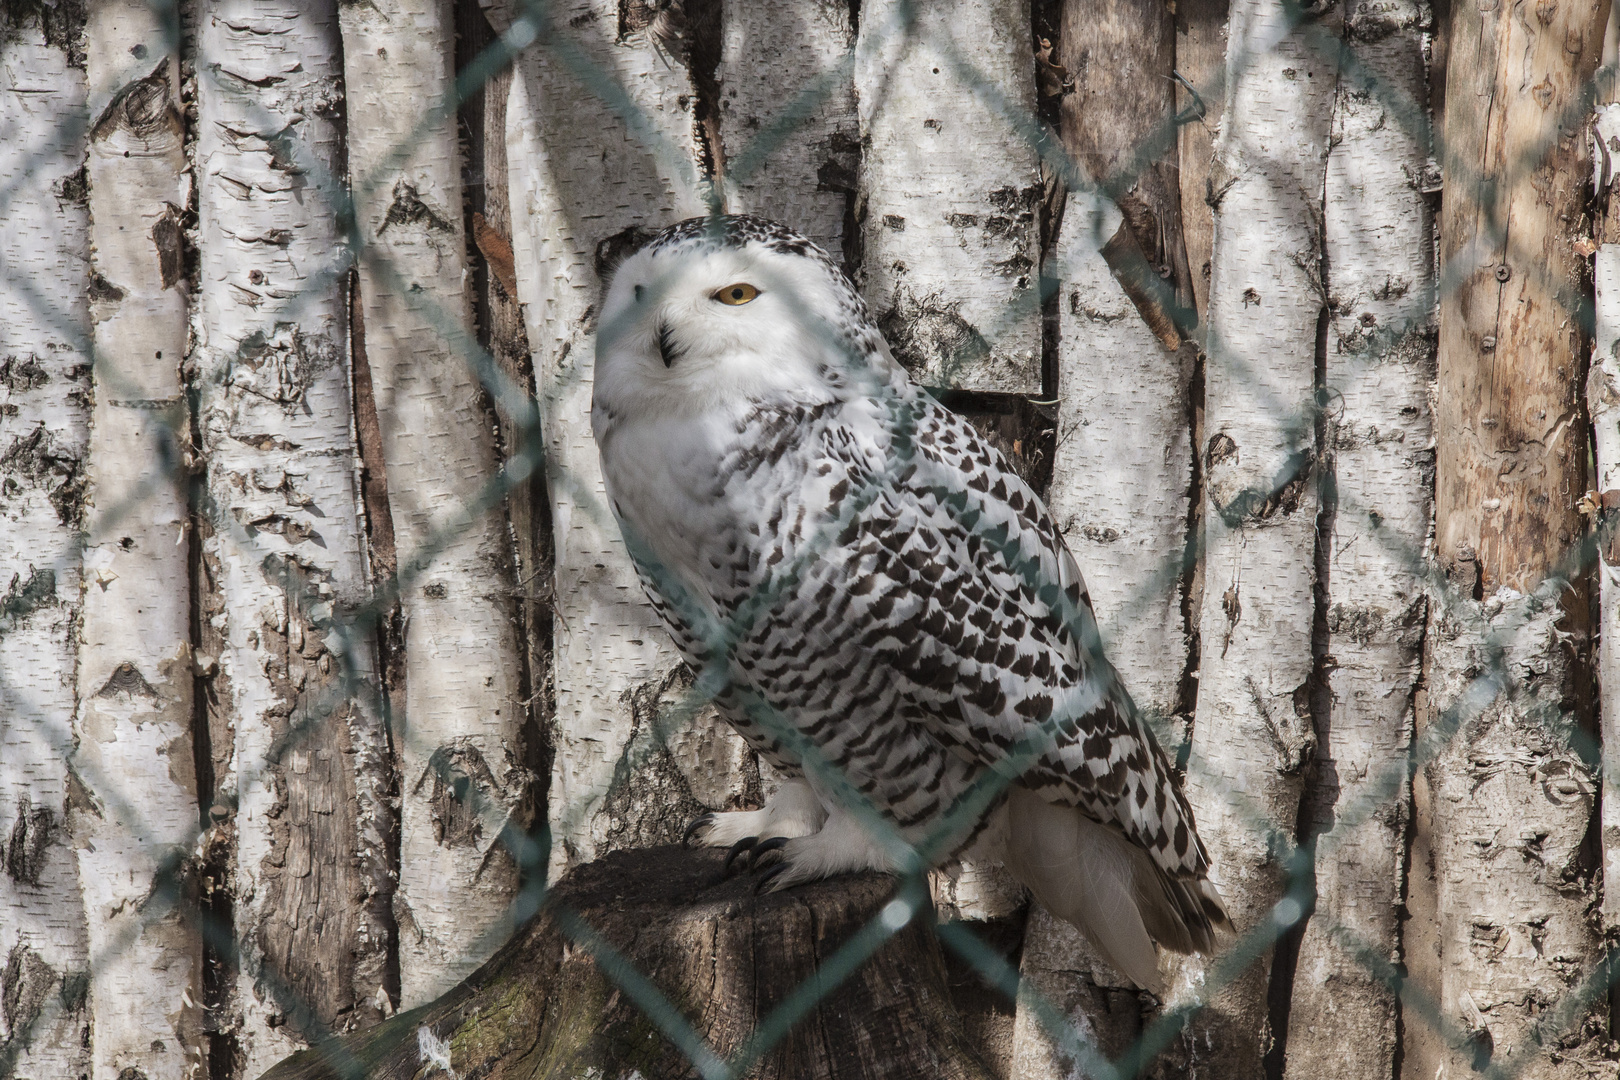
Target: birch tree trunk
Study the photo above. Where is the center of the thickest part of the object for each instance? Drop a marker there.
(1603, 406)
(287, 555)
(580, 204)
(462, 776)
(1123, 463)
(1378, 451)
(44, 415)
(134, 752)
(792, 139)
(1505, 800)
(499, 319)
(949, 191)
(1252, 733)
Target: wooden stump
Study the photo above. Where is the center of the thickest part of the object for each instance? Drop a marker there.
(542, 1008)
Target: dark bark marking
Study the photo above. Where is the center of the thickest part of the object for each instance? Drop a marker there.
(127, 679)
(168, 236)
(408, 208)
(29, 841)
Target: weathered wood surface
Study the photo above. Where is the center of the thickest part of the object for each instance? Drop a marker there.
(1502, 810)
(1511, 455)
(541, 1007)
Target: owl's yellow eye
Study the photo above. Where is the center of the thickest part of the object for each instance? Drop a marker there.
(740, 293)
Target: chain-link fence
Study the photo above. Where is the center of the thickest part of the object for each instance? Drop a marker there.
(351, 617)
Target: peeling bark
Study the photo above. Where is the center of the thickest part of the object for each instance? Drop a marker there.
(1379, 449)
(463, 712)
(1252, 733)
(139, 817)
(579, 203)
(309, 768)
(44, 416)
(950, 191)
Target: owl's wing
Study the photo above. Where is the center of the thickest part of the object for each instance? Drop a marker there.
(998, 650)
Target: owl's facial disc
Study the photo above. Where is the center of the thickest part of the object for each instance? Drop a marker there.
(687, 327)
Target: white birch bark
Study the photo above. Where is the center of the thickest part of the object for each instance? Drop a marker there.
(134, 752)
(1603, 404)
(949, 190)
(1252, 733)
(1122, 469)
(44, 413)
(1380, 448)
(463, 717)
(1121, 479)
(287, 550)
(583, 188)
(787, 107)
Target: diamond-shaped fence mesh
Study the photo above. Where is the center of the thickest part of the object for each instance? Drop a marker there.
(632, 115)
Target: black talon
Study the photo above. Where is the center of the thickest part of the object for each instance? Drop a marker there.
(763, 849)
(770, 874)
(702, 821)
(737, 849)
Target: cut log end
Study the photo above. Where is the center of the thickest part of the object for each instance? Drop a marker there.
(724, 958)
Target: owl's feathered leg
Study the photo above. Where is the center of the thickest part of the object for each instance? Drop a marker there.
(1089, 875)
(843, 845)
(792, 811)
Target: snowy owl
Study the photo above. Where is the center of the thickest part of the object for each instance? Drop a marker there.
(879, 604)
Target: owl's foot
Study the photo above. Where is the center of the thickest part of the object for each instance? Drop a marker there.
(793, 810)
(843, 845)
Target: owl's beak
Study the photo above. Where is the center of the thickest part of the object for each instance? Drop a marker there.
(667, 348)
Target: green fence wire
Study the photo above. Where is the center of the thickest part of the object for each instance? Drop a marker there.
(912, 852)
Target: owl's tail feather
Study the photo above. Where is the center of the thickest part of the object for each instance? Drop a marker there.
(1112, 891)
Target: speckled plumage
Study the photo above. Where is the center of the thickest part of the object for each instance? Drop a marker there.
(862, 566)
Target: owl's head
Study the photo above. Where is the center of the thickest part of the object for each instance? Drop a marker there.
(730, 309)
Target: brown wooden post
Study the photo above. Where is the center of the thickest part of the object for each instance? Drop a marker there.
(1501, 881)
